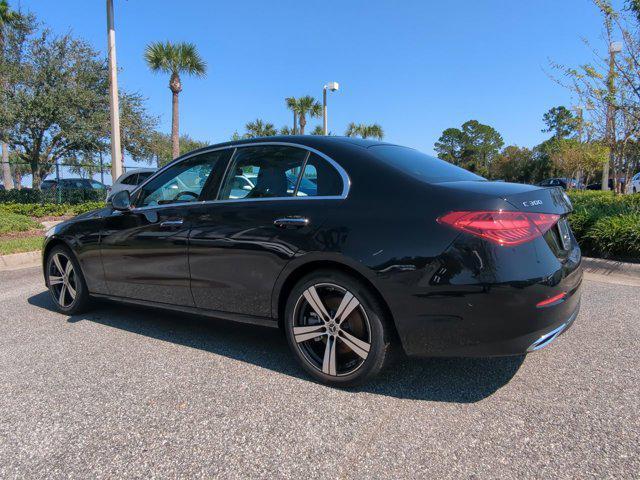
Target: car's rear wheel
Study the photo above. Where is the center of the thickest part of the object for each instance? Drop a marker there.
(65, 280)
(336, 328)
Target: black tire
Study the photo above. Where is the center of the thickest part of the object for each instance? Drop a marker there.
(75, 298)
(366, 322)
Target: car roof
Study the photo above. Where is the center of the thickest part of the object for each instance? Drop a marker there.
(313, 141)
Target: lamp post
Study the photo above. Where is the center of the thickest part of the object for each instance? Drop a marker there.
(116, 152)
(332, 86)
(614, 47)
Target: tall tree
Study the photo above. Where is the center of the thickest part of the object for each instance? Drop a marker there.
(136, 127)
(307, 106)
(560, 121)
(292, 104)
(8, 19)
(513, 164)
(58, 104)
(473, 146)
(364, 130)
(162, 147)
(175, 59)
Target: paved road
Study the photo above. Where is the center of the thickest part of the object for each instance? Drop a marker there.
(140, 393)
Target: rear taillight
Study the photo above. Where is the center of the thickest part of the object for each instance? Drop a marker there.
(502, 227)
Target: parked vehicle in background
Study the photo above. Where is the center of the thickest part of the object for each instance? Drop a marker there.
(598, 185)
(634, 184)
(130, 180)
(562, 182)
(73, 184)
(388, 246)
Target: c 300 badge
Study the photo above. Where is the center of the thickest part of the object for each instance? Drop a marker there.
(532, 203)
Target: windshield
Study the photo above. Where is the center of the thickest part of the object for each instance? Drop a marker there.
(421, 166)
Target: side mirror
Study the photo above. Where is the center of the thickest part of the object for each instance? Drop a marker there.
(121, 200)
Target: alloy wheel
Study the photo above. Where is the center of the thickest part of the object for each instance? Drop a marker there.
(331, 329)
(62, 280)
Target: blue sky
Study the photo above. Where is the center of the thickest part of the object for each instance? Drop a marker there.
(415, 67)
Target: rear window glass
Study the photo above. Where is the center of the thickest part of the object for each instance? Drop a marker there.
(421, 166)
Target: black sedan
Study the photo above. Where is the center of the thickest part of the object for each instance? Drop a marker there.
(391, 248)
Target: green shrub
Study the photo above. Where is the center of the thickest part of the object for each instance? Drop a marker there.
(617, 236)
(14, 222)
(72, 196)
(49, 209)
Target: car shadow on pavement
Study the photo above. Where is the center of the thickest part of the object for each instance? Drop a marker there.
(458, 380)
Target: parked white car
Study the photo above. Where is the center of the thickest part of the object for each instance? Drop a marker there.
(634, 184)
(130, 180)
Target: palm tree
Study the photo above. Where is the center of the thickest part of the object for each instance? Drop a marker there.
(318, 130)
(365, 131)
(292, 104)
(8, 17)
(175, 59)
(307, 105)
(258, 128)
(286, 131)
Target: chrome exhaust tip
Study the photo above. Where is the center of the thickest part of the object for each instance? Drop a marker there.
(546, 339)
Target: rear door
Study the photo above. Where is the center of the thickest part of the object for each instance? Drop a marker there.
(240, 243)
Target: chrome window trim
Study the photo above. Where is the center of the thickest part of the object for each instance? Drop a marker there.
(346, 181)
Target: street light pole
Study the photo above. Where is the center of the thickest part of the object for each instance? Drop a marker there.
(614, 47)
(333, 86)
(116, 152)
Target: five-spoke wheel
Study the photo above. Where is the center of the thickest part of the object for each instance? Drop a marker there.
(335, 328)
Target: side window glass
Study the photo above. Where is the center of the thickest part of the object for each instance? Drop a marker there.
(130, 180)
(183, 182)
(320, 178)
(142, 176)
(263, 172)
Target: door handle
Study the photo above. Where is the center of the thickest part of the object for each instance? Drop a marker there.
(296, 222)
(171, 223)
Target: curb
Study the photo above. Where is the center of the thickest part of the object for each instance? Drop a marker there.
(610, 267)
(611, 271)
(15, 261)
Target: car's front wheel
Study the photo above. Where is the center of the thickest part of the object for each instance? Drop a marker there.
(336, 328)
(65, 280)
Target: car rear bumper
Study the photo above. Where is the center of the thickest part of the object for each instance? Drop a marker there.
(459, 313)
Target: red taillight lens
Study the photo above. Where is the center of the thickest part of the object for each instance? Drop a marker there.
(501, 227)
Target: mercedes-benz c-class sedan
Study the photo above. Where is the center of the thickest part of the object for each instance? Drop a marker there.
(383, 247)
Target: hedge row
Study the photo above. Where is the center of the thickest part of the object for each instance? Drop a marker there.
(73, 197)
(607, 225)
(49, 209)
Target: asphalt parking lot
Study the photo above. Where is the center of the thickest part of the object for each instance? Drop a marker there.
(134, 392)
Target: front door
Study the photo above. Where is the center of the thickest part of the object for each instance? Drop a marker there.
(144, 250)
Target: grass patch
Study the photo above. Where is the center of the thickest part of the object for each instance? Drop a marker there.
(14, 222)
(16, 245)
